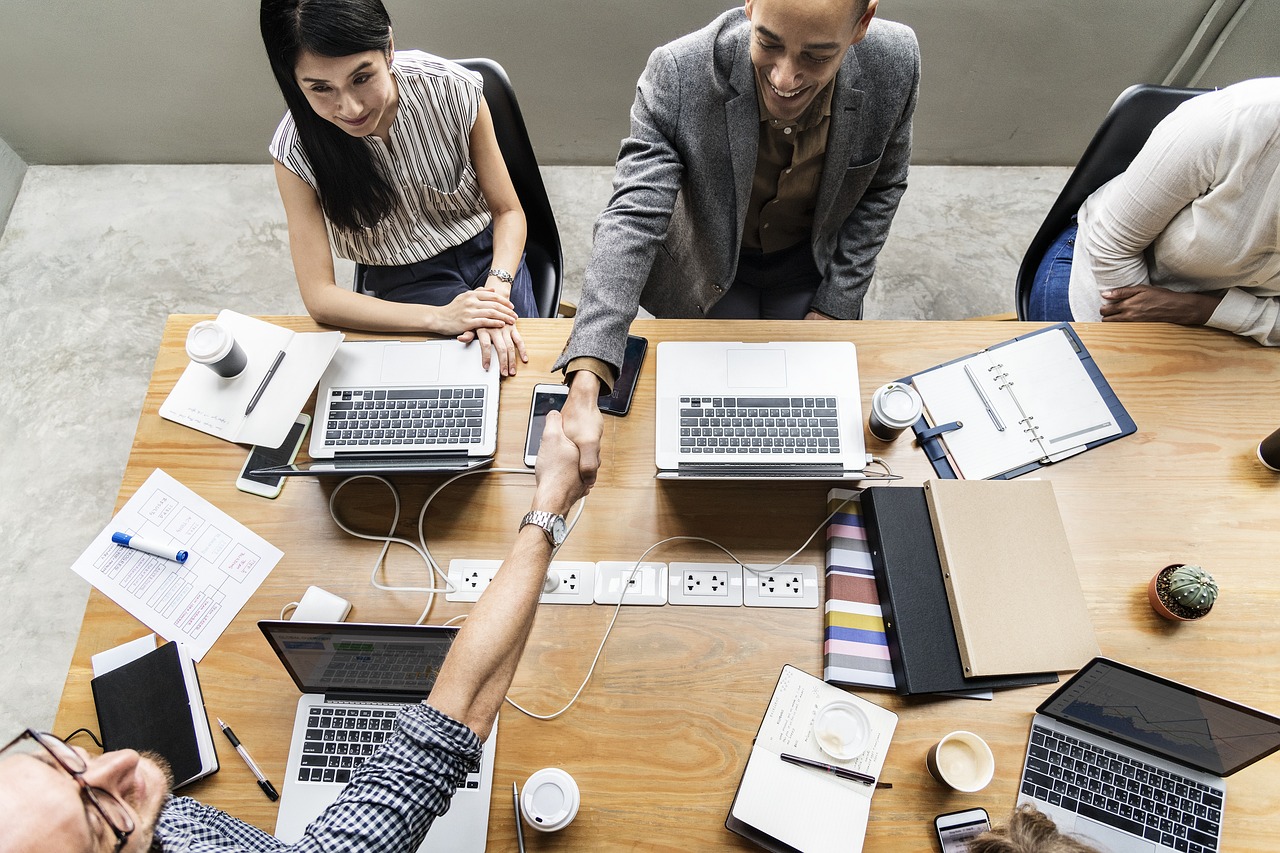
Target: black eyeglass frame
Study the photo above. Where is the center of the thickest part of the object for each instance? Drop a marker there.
(60, 753)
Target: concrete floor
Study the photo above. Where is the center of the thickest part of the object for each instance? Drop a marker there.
(94, 258)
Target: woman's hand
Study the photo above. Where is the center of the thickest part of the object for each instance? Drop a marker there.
(1143, 303)
(475, 309)
(506, 344)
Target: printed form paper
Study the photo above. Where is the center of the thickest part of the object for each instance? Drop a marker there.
(191, 602)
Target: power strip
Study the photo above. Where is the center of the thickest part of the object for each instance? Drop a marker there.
(785, 586)
(574, 582)
(705, 584)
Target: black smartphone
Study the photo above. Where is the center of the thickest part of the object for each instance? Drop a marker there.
(619, 402)
(546, 398)
(956, 829)
(269, 485)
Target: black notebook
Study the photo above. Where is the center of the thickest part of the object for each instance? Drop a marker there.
(913, 598)
(154, 704)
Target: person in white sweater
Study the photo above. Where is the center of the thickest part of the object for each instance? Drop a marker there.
(1189, 233)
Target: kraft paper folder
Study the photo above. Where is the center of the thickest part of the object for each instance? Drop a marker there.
(1014, 407)
(784, 807)
(1015, 597)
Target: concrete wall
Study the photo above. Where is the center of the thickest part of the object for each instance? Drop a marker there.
(1005, 81)
(12, 171)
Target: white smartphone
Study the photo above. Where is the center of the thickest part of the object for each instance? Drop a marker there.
(269, 485)
(956, 829)
(546, 398)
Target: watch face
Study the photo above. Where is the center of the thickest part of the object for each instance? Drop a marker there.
(558, 529)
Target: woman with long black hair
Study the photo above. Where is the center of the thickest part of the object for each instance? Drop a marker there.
(392, 156)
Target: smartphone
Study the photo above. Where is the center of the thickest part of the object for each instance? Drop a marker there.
(956, 829)
(619, 402)
(546, 398)
(269, 485)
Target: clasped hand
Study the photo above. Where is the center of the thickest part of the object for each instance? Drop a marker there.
(1146, 304)
(489, 317)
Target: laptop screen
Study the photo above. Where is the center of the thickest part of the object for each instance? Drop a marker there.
(335, 657)
(1180, 723)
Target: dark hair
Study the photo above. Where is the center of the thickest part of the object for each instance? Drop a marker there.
(354, 191)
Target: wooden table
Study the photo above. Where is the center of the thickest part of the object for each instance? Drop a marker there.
(659, 738)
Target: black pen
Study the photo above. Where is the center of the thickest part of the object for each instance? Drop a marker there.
(263, 783)
(266, 380)
(839, 772)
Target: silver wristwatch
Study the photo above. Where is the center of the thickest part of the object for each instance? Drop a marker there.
(502, 275)
(551, 524)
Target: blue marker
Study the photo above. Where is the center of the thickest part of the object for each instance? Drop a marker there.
(146, 546)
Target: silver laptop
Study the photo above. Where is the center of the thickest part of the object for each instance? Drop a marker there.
(355, 678)
(738, 411)
(1135, 762)
(387, 407)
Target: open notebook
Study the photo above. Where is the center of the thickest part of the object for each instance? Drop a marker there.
(1018, 405)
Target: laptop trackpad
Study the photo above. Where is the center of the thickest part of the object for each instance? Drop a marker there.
(756, 368)
(409, 363)
(1106, 838)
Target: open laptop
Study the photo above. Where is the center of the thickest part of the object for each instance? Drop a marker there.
(354, 679)
(739, 411)
(1135, 762)
(407, 407)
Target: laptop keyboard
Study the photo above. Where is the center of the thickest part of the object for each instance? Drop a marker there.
(759, 425)
(339, 740)
(404, 417)
(1130, 795)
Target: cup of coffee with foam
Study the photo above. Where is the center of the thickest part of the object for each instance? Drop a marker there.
(962, 761)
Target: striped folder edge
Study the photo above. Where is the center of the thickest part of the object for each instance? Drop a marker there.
(855, 650)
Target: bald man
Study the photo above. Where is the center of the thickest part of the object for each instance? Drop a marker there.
(767, 155)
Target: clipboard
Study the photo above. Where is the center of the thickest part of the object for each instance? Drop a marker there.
(932, 437)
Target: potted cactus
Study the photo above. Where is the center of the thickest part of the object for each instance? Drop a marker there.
(1182, 592)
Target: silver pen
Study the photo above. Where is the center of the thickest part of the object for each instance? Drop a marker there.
(515, 796)
(982, 395)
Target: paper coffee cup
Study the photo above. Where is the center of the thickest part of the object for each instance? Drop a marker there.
(842, 729)
(962, 761)
(894, 407)
(549, 800)
(1269, 451)
(212, 344)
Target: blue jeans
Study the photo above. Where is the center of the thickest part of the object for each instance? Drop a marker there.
(1050, 298)
(438, 280)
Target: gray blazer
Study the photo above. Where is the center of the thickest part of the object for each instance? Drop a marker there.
(670, 237)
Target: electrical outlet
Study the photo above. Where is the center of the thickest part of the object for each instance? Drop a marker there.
(575, 583)
(470, 577)
(706, 584)
(647, 586)
(785, 586)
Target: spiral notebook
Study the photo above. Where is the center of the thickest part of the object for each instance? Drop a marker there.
(1016, 406)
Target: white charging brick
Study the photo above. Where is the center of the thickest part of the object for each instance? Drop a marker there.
(705, 584)
(647, 586)
(575, 583)
(788, 586)
(470, 577)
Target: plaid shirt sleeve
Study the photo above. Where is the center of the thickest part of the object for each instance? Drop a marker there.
(389, 804)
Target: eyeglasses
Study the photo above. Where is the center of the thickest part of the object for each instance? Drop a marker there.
(108, 804)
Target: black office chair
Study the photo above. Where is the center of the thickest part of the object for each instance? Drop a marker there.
(1120, 137)
(543, 255)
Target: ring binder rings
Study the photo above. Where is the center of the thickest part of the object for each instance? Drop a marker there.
(1045, 381)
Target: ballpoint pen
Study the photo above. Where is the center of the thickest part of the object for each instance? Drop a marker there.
(266, 380)
(263, 783)
(515, 796)
(982, 395)
(840, 772)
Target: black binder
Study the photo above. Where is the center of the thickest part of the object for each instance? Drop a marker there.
(913, 598)
(147, 705)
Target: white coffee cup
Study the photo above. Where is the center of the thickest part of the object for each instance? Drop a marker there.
(894, 407)
(549, 800)
(962, 761)
(842, 729)
(212, 344)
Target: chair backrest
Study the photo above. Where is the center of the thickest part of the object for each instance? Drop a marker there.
(1120, 137)
(542, 243)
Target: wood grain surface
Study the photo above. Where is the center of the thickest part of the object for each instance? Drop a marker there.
(659, 738)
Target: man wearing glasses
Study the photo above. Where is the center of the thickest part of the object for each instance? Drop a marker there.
(57, 797)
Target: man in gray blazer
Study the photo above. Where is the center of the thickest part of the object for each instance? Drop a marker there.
(767, 155)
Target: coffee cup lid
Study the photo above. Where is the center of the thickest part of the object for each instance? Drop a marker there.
(897, 405)
(207, 342)
(549, 799)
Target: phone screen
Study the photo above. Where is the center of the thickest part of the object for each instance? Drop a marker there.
(955, 837)
(619, 402)
(543, 403)
(270, 457)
